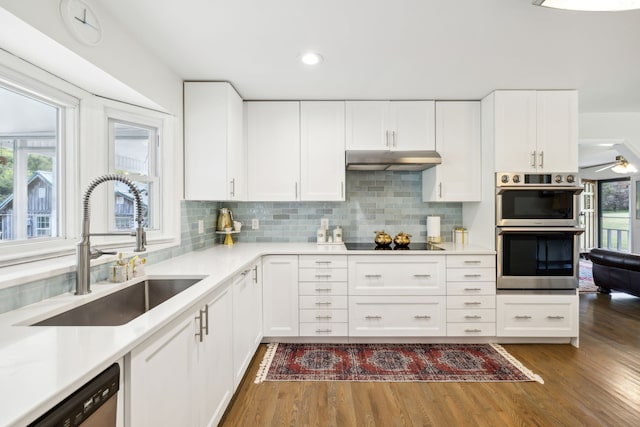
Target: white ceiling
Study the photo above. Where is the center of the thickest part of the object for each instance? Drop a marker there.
(393, 49)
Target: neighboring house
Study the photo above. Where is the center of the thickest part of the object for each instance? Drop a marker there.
(40, 203)
(125, 210)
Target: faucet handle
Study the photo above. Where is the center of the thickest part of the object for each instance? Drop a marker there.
(98, 253)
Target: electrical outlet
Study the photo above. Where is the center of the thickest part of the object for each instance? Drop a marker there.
(255, 224)
(200, 226)
(324, 223)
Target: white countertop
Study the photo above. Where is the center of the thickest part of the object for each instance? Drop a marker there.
(40, 365)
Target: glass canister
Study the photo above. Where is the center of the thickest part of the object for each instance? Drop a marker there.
(460, 236)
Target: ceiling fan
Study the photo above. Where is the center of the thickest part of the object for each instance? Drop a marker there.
(621, 165)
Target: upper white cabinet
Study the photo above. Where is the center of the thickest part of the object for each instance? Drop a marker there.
(215, 152)
(272, 130)
(390, 125)
(536, 131)
(459, 177)
(322, 167)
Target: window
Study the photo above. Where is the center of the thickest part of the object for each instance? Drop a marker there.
(134, 148)
(30, 145)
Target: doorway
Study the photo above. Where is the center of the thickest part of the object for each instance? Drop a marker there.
(613, 214)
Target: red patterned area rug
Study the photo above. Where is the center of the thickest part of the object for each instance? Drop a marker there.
(392, 363)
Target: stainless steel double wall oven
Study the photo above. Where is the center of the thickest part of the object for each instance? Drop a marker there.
(537, 231)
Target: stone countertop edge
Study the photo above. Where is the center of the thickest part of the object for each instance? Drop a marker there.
(39, 366)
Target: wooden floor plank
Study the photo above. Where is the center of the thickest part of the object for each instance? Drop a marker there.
(597, 384)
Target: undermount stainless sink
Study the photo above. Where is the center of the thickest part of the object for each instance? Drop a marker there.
(122, 306)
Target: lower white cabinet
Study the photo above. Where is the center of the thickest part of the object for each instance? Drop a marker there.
(247, 319)
(280, 295)
(537, 315)
(183, 375)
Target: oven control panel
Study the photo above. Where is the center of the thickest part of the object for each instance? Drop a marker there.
(507, 179)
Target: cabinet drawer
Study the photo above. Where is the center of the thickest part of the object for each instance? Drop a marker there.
(469, 261)
(322, 288)
(537, 316)
(475, 288)
(323, 261)
(323, 274)
(475, 274)
(323, 302)
(471, 302)
(402, 275)
(471, 316)
(324, 329)
(397, 316)
(471, 329)
(324, 316)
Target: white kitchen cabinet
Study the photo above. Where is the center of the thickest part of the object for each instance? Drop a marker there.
(390, 125)
(280, 295)
(536, 131)
(247, 319)
(183, 375)
(322, 145)
(458, 141)
(537, 315)
(272, 130)
(214, 148)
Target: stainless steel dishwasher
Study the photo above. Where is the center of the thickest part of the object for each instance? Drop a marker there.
(93, 405)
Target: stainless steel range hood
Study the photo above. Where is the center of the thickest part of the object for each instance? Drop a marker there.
(392, 160)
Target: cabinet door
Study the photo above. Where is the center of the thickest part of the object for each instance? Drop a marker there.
(322, 142)
(236, 150)
(515, 130)
(557, 130)
(412, 126)
(366, 125)
(215, 365)
(280, 295)
(459, 178)
(210, 132)
(160, 377)
(273, 145)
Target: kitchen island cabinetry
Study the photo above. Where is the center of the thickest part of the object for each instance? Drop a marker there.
(183, 375)
(390, 125)
(459, 177)
(280, 296)
(323, 295)
(247, 319)
(536, 131)
(214, 148)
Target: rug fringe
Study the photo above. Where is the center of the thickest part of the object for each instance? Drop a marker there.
(528, 372)
(263, 369)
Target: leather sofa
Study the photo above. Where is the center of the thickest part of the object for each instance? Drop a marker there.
(616, 271)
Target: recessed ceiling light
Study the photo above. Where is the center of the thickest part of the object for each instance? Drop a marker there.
(311, 58)
(590, 5)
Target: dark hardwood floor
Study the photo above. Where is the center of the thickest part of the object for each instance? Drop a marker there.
(597, 384)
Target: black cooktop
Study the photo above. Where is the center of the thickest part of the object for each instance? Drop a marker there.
(351, 246)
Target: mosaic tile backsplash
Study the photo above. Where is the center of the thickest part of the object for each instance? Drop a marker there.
(374, 200)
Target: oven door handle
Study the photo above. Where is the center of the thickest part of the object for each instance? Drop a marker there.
(576, 190)
(574, 230)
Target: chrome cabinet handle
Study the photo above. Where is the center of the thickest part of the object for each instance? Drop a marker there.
(394, 138)
(472, 261)
(321, 276)
(472, 289)
(296, 196)
(233, 187)
(440, 190)
(541, 156)
(473, 330)
(323, 330)
(203, 328)
(206, 315)
(342, 190)
(255, 274)
(472, 303)
(424, 276)
(421, 317)
(522, 317)
(323, 303)
(533, 159)
(372, 276)
(323, 262)
(324, 317)
(473, 317)
(323, 289)
(555, 317)
(387, 138)
(473, 275)
(373, 317)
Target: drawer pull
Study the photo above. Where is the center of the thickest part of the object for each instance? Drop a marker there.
(472, 275)
(373, 317)
(555, 317)
(426, 276)
(323, 262)
(422, 317)
(473, 303)
(323, 289)
(323, 303)
(320, 331)
(472, 261)
(522, 317)
(324, 317)
(473, 289)
(473, 317)
(372, 276)
(322, 275)
(473, 330)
